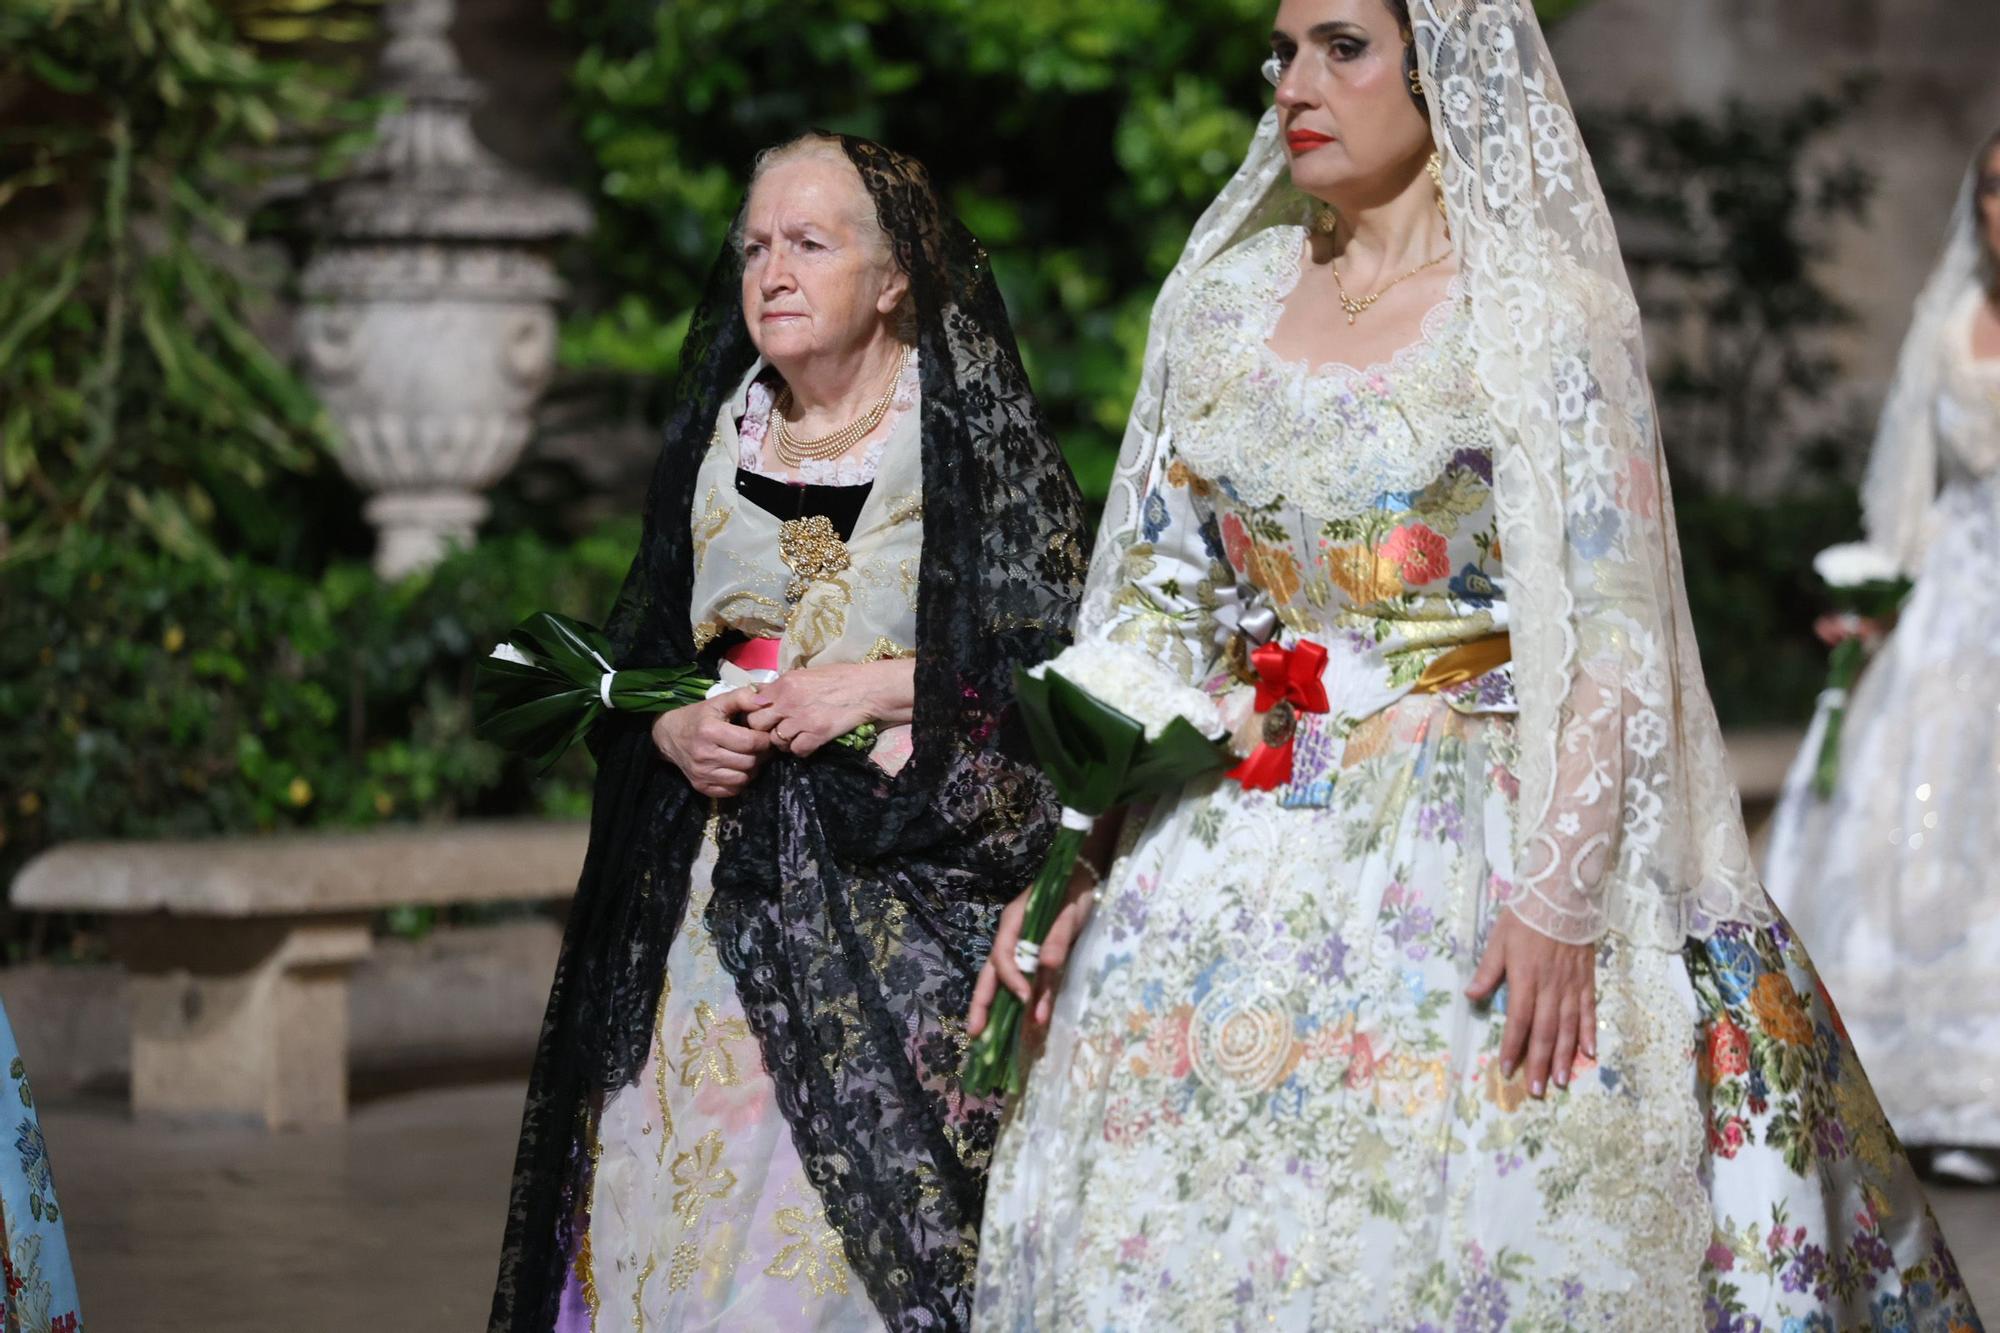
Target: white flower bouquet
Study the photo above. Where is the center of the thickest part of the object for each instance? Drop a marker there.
(1866, 585)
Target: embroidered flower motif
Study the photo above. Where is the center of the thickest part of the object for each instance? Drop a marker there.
(1780, 1013)
(1728, 1049)
(1593, 532)
(1471, 586)
(1236, 541)
(1479, 462)
(1275, 570)
(705, 1053)
(813, 1252)
(1421, 554)
(702, 1178)
(1736, 966)
(1156, 519)
(1366, 577)
(1727, 1138)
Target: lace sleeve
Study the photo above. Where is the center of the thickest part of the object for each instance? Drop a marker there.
(1609, 725)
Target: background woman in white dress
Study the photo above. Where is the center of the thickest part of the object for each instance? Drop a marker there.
(1894, 880)
(1477, 1018)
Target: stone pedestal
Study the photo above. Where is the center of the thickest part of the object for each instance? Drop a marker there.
(241, 1019)
(429, 325)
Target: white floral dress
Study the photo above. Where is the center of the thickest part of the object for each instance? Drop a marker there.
(1265, 1101)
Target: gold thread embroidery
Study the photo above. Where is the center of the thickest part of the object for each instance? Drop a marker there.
(660, 1077)
(714, 518)
(586, 1278)
(814, 1251)
(687, 1262)
(886, 649)
(639, 1296)
(702, 1178)
(705, 1049)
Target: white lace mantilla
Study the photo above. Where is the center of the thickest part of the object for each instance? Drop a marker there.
(1332, 439)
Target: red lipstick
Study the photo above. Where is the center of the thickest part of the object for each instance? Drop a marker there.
(1304, 141)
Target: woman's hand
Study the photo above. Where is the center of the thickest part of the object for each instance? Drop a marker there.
(717, 757)
(1551, 1000)
(811, 706)
(1037, 993)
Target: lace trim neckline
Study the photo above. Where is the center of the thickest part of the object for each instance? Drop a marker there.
(1435, 321)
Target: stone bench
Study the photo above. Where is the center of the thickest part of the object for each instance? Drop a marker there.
(240, 949)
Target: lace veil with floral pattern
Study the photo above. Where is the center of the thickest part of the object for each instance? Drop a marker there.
(1900, 488)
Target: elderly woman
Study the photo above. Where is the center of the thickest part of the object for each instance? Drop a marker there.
(744, 1112)
(1458, 1005)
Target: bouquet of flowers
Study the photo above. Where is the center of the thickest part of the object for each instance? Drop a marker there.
(1110, 726)
(551, 678)
(1866, 585)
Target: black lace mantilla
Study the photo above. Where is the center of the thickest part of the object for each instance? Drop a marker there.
(853, 908)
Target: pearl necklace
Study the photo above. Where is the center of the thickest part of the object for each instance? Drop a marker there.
(793, 451)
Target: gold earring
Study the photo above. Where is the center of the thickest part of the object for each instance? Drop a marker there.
(1326, 220)
(1436, 168)
(1416, 83)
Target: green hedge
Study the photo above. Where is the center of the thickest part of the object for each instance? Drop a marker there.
(147, 696)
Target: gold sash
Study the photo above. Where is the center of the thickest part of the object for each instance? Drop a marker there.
(1468, 661)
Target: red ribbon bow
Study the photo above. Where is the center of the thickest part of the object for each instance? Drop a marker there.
(1289, 676)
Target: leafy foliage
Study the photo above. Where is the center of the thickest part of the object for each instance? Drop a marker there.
(137, 394)
(146, 696)
(1753, 596)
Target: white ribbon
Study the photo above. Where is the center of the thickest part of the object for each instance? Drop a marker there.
(604, 681)
(1027, 957)
(1077, 820)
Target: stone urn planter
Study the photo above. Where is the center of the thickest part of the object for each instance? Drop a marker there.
(429, 320)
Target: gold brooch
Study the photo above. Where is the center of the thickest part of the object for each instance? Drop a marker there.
(812, 550)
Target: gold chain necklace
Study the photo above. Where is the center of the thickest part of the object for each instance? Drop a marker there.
(793, 451)
(1356, 308)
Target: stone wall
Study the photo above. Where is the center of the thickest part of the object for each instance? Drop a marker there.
(1938, 65)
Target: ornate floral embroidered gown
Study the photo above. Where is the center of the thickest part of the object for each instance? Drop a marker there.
(702, 1216)
(1265, 1101)
(1895, 879)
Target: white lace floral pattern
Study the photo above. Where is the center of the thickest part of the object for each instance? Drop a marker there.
(1243, 412)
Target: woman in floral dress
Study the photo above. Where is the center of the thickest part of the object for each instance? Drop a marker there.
(1469, 1012)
